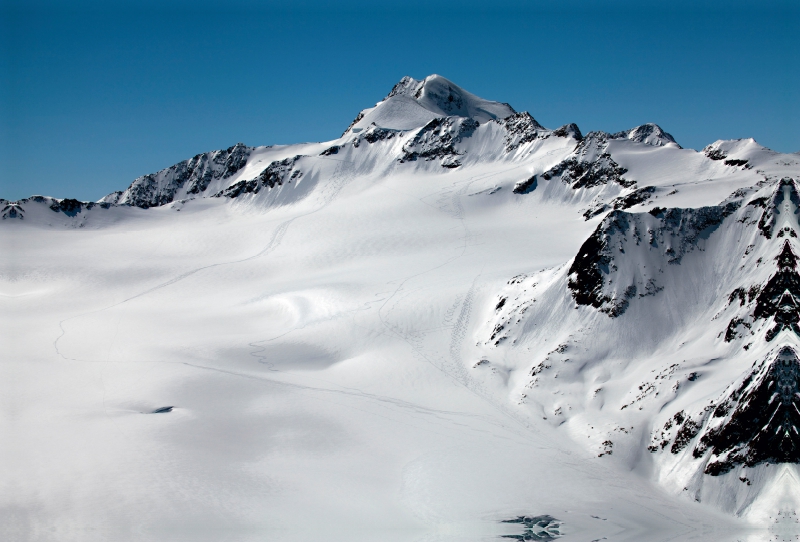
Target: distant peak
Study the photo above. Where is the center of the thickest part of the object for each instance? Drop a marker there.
(569, 130)
(734, 150)
(649, 134)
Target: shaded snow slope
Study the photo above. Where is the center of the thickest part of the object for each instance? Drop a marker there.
(446, 320)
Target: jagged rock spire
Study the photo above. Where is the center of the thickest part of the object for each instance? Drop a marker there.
(780, 296)
(758, 422)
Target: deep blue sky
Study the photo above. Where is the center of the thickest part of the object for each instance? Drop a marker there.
(92, 96)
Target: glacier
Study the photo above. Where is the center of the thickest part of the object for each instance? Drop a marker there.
(450, 323)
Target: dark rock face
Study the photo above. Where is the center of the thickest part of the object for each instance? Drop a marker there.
(627, 201)
(671, 232)
(690, 225)
(569, 130)
(587, 271)
(771, 206)
(437, 139)
(406, 85)
(355, 121)
(634, 198)
(229, 162)
(373, 134)
(754, 422)
(761, 419)
(714, 154)
(525, 187)
(275, 174)
(780, 297)
(196, 174)
(69, 207)
(778, 300)
(590, 165)
(738, 163)
(686, 433)
(11, 210)
(580, 174)
(520, 128)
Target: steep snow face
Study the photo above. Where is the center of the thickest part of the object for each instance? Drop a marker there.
(417, 326)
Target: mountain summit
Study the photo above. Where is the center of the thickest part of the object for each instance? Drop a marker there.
(413, 103)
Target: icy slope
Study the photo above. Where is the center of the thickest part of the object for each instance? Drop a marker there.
(413, 332)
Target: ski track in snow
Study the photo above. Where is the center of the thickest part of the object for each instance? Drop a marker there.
(337, 182)
(453, 368)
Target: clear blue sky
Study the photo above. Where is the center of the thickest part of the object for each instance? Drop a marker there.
(97, 93)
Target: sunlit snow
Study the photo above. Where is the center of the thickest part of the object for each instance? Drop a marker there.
(377, 340)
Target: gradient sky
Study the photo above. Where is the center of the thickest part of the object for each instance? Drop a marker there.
(94, 94)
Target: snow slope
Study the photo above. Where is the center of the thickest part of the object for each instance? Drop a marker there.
(449, 317)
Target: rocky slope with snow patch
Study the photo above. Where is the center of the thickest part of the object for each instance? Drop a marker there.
(677, 300)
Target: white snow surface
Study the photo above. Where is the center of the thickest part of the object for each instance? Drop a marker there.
(325, 344)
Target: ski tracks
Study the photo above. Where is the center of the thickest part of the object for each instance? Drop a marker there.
(452, 364)
(337, 182)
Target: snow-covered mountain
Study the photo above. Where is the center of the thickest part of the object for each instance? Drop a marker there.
(449, 320)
